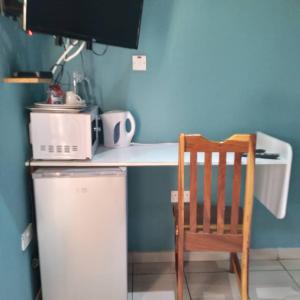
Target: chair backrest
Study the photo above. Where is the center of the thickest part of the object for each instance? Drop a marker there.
(238, 144)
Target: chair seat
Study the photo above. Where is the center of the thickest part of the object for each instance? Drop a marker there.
(200, 214)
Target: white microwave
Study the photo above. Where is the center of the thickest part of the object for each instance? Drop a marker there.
(64, 135)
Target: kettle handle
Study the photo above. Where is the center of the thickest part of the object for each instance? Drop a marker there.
(130, 134)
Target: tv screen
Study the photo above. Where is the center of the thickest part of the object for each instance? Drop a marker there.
(111, 22)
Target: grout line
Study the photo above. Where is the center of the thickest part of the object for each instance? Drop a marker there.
(187, 285)
(289, 259)
(290, 275)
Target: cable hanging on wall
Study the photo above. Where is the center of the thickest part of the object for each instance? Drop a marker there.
(66, 56)
(102, 53)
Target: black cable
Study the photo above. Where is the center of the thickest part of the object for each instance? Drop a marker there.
(60, 74)
(64, 44)
(88, 88)
(82, 64)
(102, 53)
(187, 286)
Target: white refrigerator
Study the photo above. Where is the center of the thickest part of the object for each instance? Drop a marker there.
(82, 232)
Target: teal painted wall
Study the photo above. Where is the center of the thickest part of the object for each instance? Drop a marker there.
(17, 280)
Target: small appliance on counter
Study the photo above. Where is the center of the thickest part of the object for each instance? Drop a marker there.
(56, 135)
(115, 132)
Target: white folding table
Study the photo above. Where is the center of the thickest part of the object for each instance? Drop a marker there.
(272, 176)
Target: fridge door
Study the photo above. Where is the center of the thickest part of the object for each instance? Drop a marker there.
(82, 233)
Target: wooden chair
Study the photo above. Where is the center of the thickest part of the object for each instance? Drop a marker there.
(215, 227)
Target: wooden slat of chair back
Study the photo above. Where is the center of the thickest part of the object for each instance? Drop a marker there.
(193, 191)
(207, 192)
(196, 143)
(236, 192)
(221, 193)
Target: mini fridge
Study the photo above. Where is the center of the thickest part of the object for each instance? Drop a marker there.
(82, 232)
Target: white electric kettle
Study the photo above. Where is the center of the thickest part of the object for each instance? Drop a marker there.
(114, 128)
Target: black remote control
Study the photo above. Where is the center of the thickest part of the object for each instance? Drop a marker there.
(261, 153)
(267, 155)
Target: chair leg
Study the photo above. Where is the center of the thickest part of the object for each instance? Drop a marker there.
(245, 275)
(176, 257)
(180, 276)
(231, 267)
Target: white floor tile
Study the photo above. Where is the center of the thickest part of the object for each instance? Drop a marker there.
(206, 266)
(213, 296)
(289, 253)
(155, 287)
(154, 295)
(296, 297)
(211, 280)
(209, 286)
(206, 256)
(296, 276)
(291, 264)
(235, 288)
(265, 265)
(276, 293)
(264, 283)
(266, 254)
(154, 268)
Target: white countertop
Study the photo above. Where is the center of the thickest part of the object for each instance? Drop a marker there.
(141, 155)
(272, 176)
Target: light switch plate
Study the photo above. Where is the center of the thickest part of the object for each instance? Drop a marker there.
(139, 63)
(26, 237)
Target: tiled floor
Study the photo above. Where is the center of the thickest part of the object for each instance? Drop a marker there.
(269, 280)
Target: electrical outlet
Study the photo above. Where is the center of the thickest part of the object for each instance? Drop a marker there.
(26, 237)
(174, 196)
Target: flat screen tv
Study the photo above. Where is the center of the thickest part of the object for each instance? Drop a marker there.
(110, 22)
